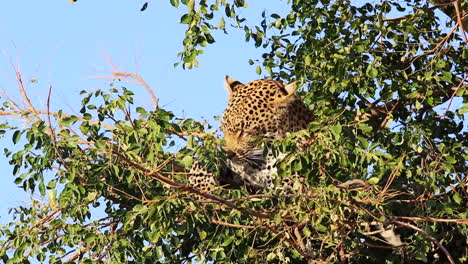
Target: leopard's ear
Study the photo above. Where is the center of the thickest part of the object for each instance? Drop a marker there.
(290, 88)
(230, 84)
(286, 95)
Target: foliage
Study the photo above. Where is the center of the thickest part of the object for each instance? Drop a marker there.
(377, 153)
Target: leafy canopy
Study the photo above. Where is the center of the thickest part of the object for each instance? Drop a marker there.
(378, 152)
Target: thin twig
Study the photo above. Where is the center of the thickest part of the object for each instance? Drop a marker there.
(129, 196)
(392, 175)
(406, 201)
(459, 20)
(232, 225)
(299, 239)
(51, 130)
(272, 196)
(23, 92)
(443, 41)
(377, 246)
(290, 241)
(451, 97)
(139, 79)
(321, 247)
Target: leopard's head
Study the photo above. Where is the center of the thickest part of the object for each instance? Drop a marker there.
(261, 108)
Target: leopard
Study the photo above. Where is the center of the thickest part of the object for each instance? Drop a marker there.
(265, 109)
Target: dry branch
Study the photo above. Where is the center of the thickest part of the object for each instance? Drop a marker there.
(431, 219)
(139, 79)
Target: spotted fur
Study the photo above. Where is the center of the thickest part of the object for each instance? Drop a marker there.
(201, 179)
(261, 108)
(264, 109)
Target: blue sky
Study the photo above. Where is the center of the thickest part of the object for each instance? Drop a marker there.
(62, 45)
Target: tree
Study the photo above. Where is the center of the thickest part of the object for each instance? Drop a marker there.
(380, 154)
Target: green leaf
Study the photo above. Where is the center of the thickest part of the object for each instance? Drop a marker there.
(51, 195)
(141, 110)
(91, 196)
(87, 116)
(67, 121)
(365, 128)
(297, 165)
(17, 180)
(145, 5)
(190, 142)
(277, 219)
(187, 161)
(42, 188)
(186, 19)
(373, 180)
(100, 144)
(17, 136)
(457, 198)
(227, 11)
(336, 130)
(418, 105)
(239, 3)
(440, 63)
(258, 70)
(371, 72)
(202, 234)
(321, 228)
(228, 241)
(364, 142)
(360, 48)
(447, 76)
(175, 3)
(90, 237)
(463, 109)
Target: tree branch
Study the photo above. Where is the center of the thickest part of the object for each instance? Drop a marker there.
(177, 185)
(431, 219)
(408, 225)
(378, 112)
(448, 7)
